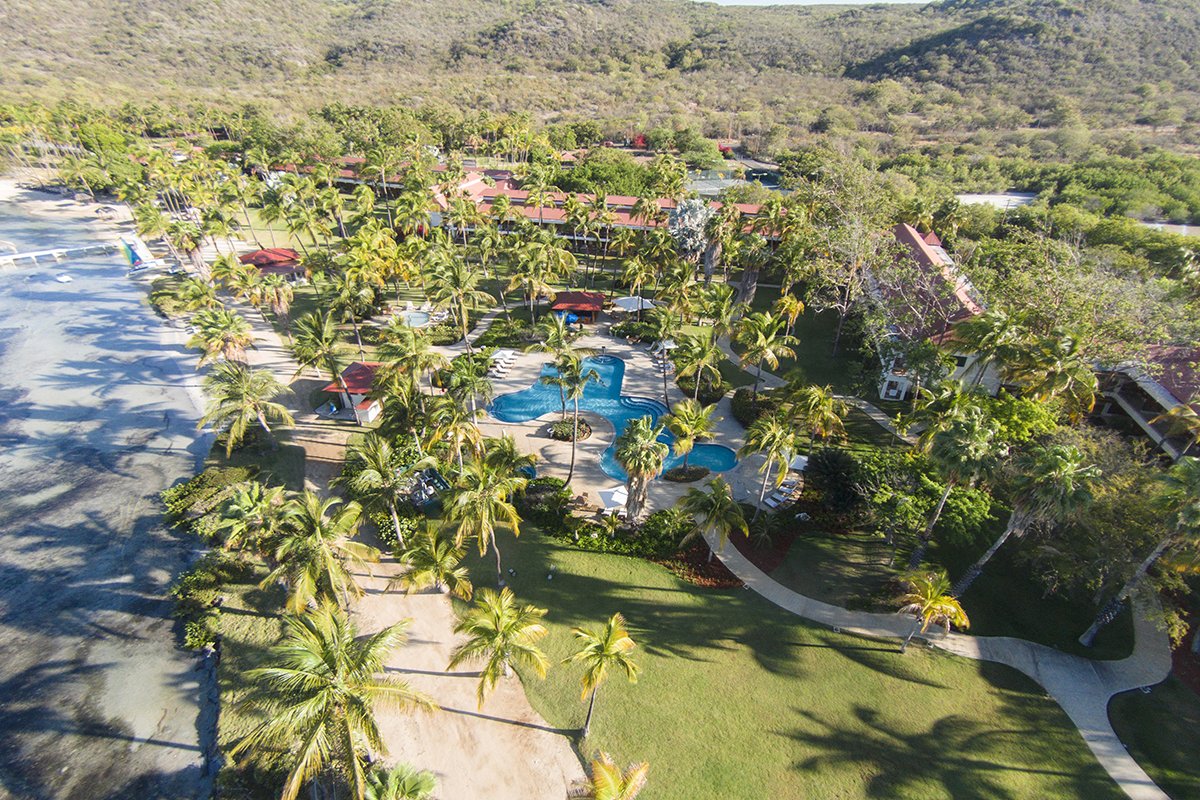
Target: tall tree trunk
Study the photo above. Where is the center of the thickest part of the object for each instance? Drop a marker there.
(918, 553)
(587, 722)
(574, 441)
(499, 572)
(396, 517)
(1113, 608)
(262, 421)
(916, 627)
(1015, 523)
(762, 492)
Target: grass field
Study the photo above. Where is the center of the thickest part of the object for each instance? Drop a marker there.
(741, 700)
(1162, 731)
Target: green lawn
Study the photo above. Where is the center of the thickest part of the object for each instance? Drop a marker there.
(282, 465)
(815, 360)
(1162, 731)
(250, 625)
(848, 569)
(741, 700)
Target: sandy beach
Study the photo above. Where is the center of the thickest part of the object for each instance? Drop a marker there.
(96, 417)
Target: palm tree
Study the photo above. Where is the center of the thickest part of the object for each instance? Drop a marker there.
(375, 479)
(455, 284)
(239, 397)
(251, 518)
(1052, 484)
(434, 560)
(599, 652)
(1179, 504)
(609, 782)
(637, 273)
(319, 692)
(790, 308)
(481, 502)
(762, 340)
(352, 299)
(574, 381)
(961, 452)
(664, 327)
(994, 337)
(454, 424)
(928, 598)
(501, 454)
(699, 358)
(411, 351)
(771, 435)
(1182, 420)
(400, 782)
(501, 634)
(315, 343)
(1056, 367)
(220, 333)
(689, 422)
(642, 455)
(313, 547)
(820, 412)
(714, 512)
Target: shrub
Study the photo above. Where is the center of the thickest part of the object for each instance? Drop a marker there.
(545, 502)
(563, 429)
(688, 474)
(411, 520)
(633, 330)
(744, 409)
(658, 537)
(203, 492)
(196, 593)
(444, 334)
(834, 474)
(709, 392)
(509, 333)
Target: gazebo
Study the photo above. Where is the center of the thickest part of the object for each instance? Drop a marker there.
(586, 305)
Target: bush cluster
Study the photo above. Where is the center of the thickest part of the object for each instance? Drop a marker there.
(509, 333)
(444, 334)
(709, 392)
(562, 430)
(633, 330)
(197, 593)
(688, 474)
(744, 408)
(196, 497)
(411, 520)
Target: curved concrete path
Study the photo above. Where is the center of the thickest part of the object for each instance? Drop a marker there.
(1082, 687)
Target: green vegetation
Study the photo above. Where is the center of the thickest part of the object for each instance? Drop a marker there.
(1160, 729)
(861, 714)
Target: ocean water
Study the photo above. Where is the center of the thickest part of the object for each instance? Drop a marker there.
(96, 700)
(604, 397)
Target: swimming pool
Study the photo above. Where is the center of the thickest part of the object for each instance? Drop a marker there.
(605, 398)
(415, 319)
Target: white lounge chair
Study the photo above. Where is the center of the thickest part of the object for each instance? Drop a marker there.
(771, 502)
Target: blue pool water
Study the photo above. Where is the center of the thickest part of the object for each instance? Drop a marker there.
(605, 398)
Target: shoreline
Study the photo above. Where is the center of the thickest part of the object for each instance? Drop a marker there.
(158, 695)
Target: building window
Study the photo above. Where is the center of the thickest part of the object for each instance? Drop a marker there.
(961, 361)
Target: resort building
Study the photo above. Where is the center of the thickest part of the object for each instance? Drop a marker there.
(1140, 393)
(930, 297)
(586, 306)
(352, 392)
(275, 261)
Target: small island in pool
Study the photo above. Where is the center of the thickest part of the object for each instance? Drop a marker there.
(605, 399)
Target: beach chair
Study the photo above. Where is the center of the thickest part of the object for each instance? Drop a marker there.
(771, 502)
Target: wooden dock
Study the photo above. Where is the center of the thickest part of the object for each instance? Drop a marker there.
(56, 254)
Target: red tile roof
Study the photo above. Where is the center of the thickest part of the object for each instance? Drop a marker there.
(578, 301)
(358, 377)
(932, 257)
(271, 257)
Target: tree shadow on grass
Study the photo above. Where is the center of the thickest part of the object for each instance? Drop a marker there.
(954, 756)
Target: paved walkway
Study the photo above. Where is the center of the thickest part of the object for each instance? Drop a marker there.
(1082, 687)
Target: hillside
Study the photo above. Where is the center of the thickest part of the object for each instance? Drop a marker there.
(959, 65)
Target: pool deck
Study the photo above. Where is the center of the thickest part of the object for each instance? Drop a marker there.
(642, 378)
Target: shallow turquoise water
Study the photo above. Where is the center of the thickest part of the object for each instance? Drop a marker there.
(605, 398)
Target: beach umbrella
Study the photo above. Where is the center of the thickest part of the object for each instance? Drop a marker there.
(614, 498)
(632, 303)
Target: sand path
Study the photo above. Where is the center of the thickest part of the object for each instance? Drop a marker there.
(504, 751)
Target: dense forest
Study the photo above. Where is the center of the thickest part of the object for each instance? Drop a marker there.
(1043, 77)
